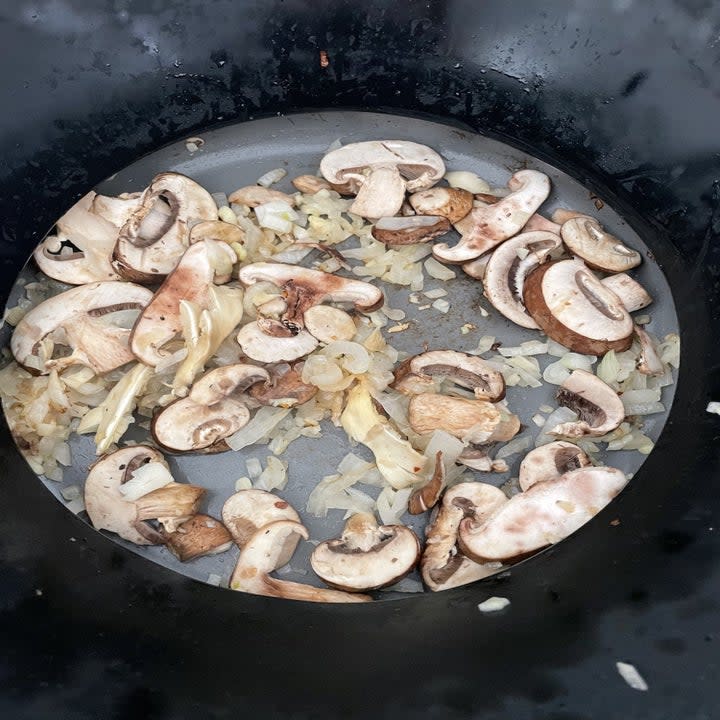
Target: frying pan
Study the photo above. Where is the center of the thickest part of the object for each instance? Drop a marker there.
(622, 98)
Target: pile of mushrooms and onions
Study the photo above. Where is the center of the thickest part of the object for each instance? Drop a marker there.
(194, 313)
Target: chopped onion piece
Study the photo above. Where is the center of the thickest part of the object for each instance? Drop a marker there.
(434, 294)
(274, 476)
(276, 215)
(243, 483)
(441, 305)
(253, 468)
(515, 446)
(493, 604)
(145, 479)
(71, 492)
(557, 417)
(629, 673)
(532, 347)
(406, 585)
(271, 177)
(438, 270)
(392, 504)
(466, 180)
(713, 407)
(556, 373)
(265, 419)
(576, 361)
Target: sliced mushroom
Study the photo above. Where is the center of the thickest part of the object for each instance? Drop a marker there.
(211, 412)
(649, 362)
(328, 324)
(266, 551)
(451, 203)
(262, 347)
(110, 510)
(575, 309)
(81, 249)
(303, 288)
(631, 293)
(540, 223)
(543, 515)
(599, 249)
(598, 406)
(310, 184)
(409, 230)
(384, 169)
(475, 421)
(152, 241)
(507, 269)
(254, 195)
(203, 264)
(496, 223)
(477, 458)
(245, 512)
(217, 230)
(284, 389)
(74, 318)
(443, 565)
(476, 268)
(468, 371)
(116, 209)
(200, 535)
(550, 461)
(366, 556)
(426, 496)
(562, 215)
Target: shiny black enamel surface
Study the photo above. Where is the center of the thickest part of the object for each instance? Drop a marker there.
(625, 98)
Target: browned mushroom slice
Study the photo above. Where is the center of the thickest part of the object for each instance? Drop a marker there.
(409, 230)
(631, 293)
(111, 509)
(152, 241)
(575, 309)
(266, 551)
(550, 461)
(443, 564)
(227, 381)
(451, 203)
(200, 535)
(426, 496)
(649, 362)
(245, 512)
(217, 230)
(468, 371)
(285, 389)
(366, 556)
(475, 421)
(599, 249)
(543, 515)
(203, 264)
(478, 458)
(493, 224)
(310, 184)
(75, 318)
(507, 269)
(562, 215)
(598, 406)
(254, 195)
(384, 169)
(263, 347)
(540, 223)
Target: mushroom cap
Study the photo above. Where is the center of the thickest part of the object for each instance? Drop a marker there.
(93, 238)
(443, 565)
(284, 389)
(506, 271)
(265, 348)
(65, 310)
(575, 309)
(496, 222)
(151, 242)
(598, 406)
(451, 203)
(245, 512)
(586, 239)
(551, 461)
(545, 514)
(409, 230)
(420, 165)
(198, 536)
(203, 264)
(266, 551)
(631, 293)
(222, 382)
(365, 556)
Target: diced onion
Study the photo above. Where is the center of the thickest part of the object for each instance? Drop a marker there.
(466, 180)
(145, 479)
(271, 177)
(438, 270)
(493, 604)
(265, 419)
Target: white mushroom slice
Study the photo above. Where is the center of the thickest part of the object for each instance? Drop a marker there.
(543, 515)
(366, 556)
(575, 309)
(476, 268)
(81, 250)
(416, 374)
(204, 263)
(310, 184)
(475, 421)
(507, 269)
(496, 223)
(151, 243)
(200, 535)
(254, 195)
(284, 389)
(550, 461)
(110, 510)
(265, 348)
(599, 249)
(451, 203)
(409, 230)
(443, 565)
(384, 169)
(631, 293)
(598, 406)
(217, 230)
(327, 323)
(226, 381)
(539, 223)
(649, 362)
(266, 551)
(116, 210)
(245, 512)
(102, 347)
(304, 288)
(562, 215)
